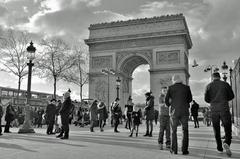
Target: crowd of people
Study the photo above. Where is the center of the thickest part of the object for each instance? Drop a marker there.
(174, 104)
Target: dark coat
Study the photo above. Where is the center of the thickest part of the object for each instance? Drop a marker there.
(149, 109)
(50, 112)
(117, 111)
(194, 109)
(102, 111)
(178, 97)
(10, 114)
(218, 93)
(67, 107)
(93, 111)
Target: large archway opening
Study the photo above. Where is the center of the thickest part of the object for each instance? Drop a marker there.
(136, 77)
(140, 83)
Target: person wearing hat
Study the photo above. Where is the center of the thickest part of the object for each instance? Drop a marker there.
(149, 113)
(65, 111)
(218, 93)
(128, 113)
(178, 97)
(50, 116)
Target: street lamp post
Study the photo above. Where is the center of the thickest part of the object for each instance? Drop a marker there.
(108, 72)
(211, 68)
(118, 83)
(225, 69)
(27, 127)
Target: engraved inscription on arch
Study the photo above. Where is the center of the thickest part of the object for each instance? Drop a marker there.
(102, 62)
(168, 57)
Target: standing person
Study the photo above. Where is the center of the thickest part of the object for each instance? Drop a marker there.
(39, 119)
(149, 113)
(164, 120)
(218, 93)
(50, 116)
(93, 114)
(65, 111)
(136, 120)
(178, 97)
(102, 111)
(9, 117)
(1, 114)
(57, 117)
(194, 113)
(117, 113)
(129, 109)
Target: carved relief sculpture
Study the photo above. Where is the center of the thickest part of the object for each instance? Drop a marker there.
(166, 81)
(168, 57)
(101, 90)
(102, 62)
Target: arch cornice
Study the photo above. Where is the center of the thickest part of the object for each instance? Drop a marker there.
(123, 56)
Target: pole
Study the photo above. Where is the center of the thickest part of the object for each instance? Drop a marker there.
(30, 65)
(117, 91)
(27, 128)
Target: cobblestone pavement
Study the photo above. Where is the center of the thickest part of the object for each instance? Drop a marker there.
(108, 145)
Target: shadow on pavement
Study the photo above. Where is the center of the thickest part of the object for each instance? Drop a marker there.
(14, 146)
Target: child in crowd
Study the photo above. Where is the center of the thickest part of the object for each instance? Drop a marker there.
(136, 120)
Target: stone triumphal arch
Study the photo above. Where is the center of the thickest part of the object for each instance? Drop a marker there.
(162, 42)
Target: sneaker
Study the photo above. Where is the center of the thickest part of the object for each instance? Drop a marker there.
(227, 148)
(220, 151)
(160, 146)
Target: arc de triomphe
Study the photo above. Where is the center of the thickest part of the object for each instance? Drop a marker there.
(162, 42)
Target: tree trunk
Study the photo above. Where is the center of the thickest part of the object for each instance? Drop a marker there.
(18, 91)
(81, 92)
(54, 86)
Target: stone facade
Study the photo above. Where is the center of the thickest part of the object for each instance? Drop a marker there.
(235, 82)
(162, 42)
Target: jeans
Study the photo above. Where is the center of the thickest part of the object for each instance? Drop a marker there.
(185, 140)
(65, 125)
(225, 117)
(7, 126)
(164, 126)
(149, 123)
(50, 127)
(195, 119)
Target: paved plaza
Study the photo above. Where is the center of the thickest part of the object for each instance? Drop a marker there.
(107, 145)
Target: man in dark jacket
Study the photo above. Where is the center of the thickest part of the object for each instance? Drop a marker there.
(50, 116)
(218, 93)
(178, 97)
(65, 111)
(194, 113)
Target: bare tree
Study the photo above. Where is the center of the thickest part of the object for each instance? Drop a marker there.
(78, 73)
(55, 59)
(14, 55)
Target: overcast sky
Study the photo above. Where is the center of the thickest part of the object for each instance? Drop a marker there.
(214, 28)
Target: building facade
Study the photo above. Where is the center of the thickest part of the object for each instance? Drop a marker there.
(163, 43)
(235, 82)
